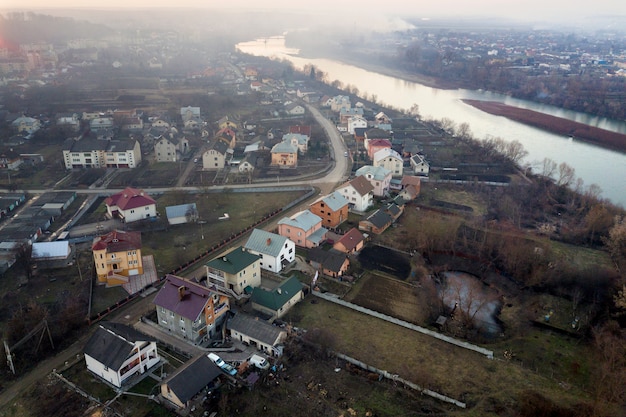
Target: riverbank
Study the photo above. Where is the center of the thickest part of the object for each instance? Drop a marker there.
(565, 127)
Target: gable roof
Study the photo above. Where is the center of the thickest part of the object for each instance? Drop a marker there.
(129, 198)
(386, 153)
(410, 180)
(255, 328)
(278, 297)
(331, 260)
(302, 129)
(233, 261)
(379, 218)
(304, 220)
(334, 201)
(192, 377)
(265, 242)
(351, 239)
(112, 343)
(183, 297)
(361, 185)
(219, 146)
(378, 173)
(117, 241)
(180, 210)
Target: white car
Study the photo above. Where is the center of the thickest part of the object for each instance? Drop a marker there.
(259, 361)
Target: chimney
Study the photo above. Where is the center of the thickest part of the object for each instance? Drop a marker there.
(279, 291)
(269, 241)
(181, 292)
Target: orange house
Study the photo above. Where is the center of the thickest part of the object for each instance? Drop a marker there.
(117, 257)
(332, 209)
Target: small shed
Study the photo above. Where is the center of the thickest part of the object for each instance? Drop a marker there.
(183, 213)
(51, 251)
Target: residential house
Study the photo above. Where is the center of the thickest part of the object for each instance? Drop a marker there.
(251, 74)
(381, 117)
(249, 162)
(228, 135)
(68, 120)
(170, 148)
(379, 177)
(381, 219)
(374, 145)
(131, 124)
(332, 208)
(190, 310)
(331, 263)
(352, 242)
(274, 251)
(411, 187)
(131, 205)
(326, 101)
(117, 352)
(420, 165)
(11, 160)
(284, 155)
(182, 213)
(190, 113)
(303, 228)
(346, 113)
(301, 129)
(216, 156)
(256, 86)
(390, 159)
(359, 193)
(340, 102)
(160, 124)
(236, 271)
(101, 123)
(93, 153)
(225, 122)
(26, 125)
(117, 257)
(257, 333)
(356, 122)
(276, 303)
(189, 380)
(298, 140)
(294, 109)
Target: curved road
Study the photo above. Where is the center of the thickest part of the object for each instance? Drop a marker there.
(131, 314)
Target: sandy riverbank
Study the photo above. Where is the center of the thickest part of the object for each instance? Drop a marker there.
(578, 131)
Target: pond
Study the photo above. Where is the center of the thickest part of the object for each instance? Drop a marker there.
(386, 260)
(466, 294)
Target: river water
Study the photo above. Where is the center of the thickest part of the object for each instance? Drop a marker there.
(594, 165)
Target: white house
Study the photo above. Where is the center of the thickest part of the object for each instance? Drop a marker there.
(294, 109)
(275, 251)
(420, 165)
(257, 333)
(356, 122)
(131, 205)
(117, 352)
(379, 177)
(93, 153)
(390, 159)
(359, 193)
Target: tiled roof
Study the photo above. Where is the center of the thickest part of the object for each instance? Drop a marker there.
(410, 180)
(276, 298)
(112, 343)
(331, 260)
(117, 241)
(130, 198)
(361, 185)
(233, 261)
(351, 239)
(265, 242)
(303, 130)
(255, 328)
(183, 297)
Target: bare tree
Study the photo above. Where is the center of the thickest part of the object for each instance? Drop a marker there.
(616, 242)
(566, 175)
(548, 168)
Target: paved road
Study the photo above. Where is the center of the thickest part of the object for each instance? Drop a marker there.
(132, 313)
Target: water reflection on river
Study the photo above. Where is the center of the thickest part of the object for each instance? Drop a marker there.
(594, 165)
(472, 298)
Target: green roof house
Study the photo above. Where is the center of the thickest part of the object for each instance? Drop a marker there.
(234, 271)
(277, 302)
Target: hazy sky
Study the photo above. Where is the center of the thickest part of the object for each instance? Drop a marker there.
(527, 9)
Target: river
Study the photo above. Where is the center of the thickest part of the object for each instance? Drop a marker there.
(595, 165)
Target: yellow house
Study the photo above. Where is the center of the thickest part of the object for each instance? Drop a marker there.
(284, 155)
(225, 123)
(117, 256)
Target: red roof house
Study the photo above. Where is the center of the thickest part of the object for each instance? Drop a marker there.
(131, 205)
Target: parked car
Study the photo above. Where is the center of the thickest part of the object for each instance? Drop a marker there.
(223, 365)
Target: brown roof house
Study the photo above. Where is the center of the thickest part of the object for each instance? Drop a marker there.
(353, 241)
(359, 192)
(331, 263)
(332, 208)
